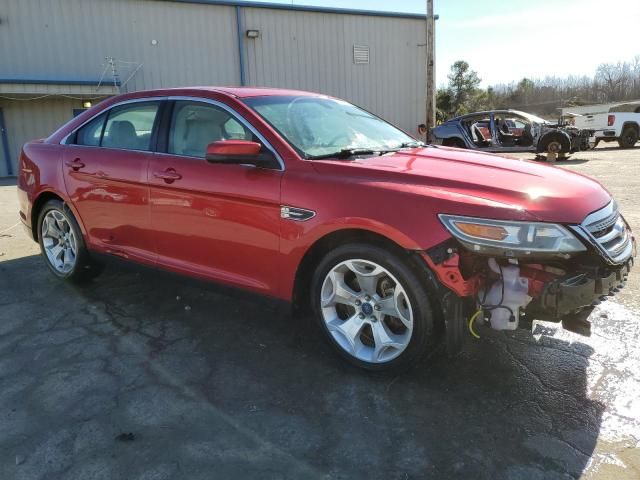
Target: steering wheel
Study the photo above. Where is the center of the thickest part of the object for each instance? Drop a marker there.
(300, 128)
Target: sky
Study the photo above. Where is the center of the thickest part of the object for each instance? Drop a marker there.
(506, 40)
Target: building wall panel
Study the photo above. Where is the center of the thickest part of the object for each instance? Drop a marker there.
(314, 51)
(27, 120)
(197, 44)
(69, 39)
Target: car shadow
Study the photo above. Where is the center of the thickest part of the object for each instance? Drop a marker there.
(565, 161)
(616, 147)
(207, 375)
(573, 161)
(7, 181)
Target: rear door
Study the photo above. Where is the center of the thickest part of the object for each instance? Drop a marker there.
(218, 221)
(105, 170)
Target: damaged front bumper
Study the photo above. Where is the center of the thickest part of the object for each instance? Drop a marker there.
(509, 288)
(511, 293)
(577, 292)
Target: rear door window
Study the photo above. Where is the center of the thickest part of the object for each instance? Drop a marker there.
(129, 127)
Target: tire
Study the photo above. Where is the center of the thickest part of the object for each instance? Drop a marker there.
(629, 137)
(398, 290)
(59, 235)
(555, 143)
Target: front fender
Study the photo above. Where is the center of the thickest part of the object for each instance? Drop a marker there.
(297, 241)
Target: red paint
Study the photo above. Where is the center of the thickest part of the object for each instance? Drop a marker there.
(448, 273)
(537, 277)
(111, 195)
(222, 221)
(219, 221)
(233, 148)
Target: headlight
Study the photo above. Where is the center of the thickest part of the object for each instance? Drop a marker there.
(511, 238)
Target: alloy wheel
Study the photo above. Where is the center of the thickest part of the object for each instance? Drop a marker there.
(59, 241)
(366, 310)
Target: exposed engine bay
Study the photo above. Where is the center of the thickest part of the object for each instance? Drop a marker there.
(509, 293)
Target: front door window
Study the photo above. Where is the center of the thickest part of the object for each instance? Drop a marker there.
(195, 125)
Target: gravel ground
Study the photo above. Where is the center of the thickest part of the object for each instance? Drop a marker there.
(149, 376)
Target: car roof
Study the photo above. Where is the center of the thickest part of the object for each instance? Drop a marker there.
(239, 92)
(488, 112)
(244, 92)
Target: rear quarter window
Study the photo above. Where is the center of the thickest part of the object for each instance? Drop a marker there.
(91, 133)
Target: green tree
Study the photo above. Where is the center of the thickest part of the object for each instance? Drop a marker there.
(523, 93)
(463, 86)
(443, 104)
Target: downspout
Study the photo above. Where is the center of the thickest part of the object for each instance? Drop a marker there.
(240, 44)
(5, 145)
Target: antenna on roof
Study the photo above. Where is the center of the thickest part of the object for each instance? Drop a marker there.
(114, 72)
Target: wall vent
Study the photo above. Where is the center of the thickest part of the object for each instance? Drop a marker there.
(361, 54)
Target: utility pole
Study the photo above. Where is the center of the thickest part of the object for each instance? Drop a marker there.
(431, 67)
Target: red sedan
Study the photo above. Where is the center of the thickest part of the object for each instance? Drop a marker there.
(309, 199)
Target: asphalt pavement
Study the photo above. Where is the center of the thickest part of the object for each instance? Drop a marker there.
(146, 375)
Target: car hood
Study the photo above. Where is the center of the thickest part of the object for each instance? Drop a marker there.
(545, 192)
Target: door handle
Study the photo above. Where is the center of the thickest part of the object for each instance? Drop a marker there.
(76, 164)
(169, 175)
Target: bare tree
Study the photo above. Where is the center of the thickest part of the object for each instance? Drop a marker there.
(613, 79)
(611, 83)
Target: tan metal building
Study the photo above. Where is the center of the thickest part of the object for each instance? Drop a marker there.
(55, 55)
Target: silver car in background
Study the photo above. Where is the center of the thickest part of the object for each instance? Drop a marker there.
(510, 131)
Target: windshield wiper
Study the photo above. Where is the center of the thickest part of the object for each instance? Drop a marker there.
(414, 143)
(352, 152)
(347, 153)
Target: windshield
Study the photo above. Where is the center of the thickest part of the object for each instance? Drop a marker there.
(318, 127)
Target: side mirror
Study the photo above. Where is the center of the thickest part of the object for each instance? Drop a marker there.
(234, 151)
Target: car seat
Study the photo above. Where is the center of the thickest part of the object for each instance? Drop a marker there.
(198, 135)
(478, 137)
(122, 134)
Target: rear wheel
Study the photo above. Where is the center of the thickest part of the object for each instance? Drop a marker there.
(62, 244)
(629, 137)
(372, 307)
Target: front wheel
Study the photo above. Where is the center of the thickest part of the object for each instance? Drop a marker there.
(62, 244)
(556, 144)
(372, 307)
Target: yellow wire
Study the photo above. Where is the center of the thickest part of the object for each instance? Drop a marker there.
(473, 319)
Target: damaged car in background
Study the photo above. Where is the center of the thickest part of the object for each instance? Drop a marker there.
(511, 131)
(389, 244)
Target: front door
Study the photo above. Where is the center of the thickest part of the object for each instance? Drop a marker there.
(214, 220)
(106, 179)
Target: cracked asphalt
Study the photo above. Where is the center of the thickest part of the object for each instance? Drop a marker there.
(145, 375)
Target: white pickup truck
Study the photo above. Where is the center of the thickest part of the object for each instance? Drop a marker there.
(620, 122)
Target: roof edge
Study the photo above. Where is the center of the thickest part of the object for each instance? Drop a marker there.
(56, 81)
(304, 8)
